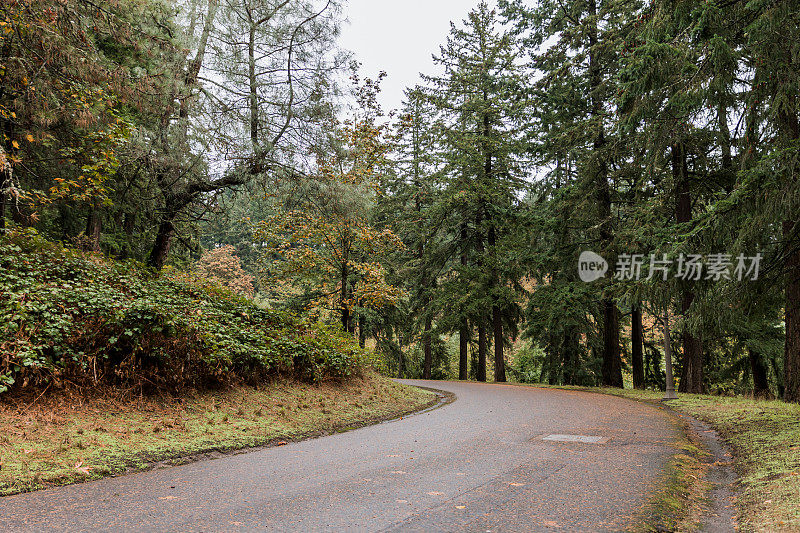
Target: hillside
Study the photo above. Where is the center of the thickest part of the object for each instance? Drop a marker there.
(76, 319)
(107, 368)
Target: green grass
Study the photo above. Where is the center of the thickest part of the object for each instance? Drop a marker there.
(677, 504)
(59, 441)
(765, 440)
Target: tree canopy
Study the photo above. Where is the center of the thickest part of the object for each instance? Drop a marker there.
(221, 137)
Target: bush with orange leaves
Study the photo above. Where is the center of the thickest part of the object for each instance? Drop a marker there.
(222, 266)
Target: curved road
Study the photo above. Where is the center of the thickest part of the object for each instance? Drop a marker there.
(478, 464)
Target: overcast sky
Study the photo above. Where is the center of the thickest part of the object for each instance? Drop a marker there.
(399, 36)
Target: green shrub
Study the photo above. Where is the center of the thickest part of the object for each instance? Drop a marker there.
(528, 361)
(69, 316)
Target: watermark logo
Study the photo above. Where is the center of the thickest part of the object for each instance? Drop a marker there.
(694, 267)
(591, 267)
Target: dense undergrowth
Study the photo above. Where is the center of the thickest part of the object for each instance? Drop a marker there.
(75, 319)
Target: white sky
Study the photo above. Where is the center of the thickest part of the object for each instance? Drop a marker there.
(399, 36)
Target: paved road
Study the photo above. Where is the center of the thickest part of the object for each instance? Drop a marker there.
(478, 464)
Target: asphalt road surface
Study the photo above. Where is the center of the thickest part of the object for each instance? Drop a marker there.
(477, 464)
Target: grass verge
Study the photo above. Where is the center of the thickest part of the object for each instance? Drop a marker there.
(60, 440)
(678, 502)
(765, 440)
(764, 437)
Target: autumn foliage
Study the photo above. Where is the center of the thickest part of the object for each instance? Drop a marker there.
(222, 266)
(322, 240)
(64, 86)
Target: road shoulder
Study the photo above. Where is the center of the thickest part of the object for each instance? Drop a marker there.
(60, 442)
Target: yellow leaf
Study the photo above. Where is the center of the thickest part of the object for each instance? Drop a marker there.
(15, 144)
(29, 137)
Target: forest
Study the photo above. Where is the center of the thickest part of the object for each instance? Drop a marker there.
(237, 142)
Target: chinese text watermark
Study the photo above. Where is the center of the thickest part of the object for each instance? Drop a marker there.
(690, 267)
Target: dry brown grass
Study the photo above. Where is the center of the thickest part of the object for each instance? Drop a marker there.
(62, 439)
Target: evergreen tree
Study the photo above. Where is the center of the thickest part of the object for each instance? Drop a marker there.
(481, 110)
(574, 47)
(409, 205)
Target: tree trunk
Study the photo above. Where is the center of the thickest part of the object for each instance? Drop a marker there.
(669, 386)
(791, 356)
(637, 361)
(499, 361)
(2, 210)
(482, 341)
(94, 228)
(6, 171)
(759, 371)
(345, 309)
(570, 349)
(401, 362)
(463, 338)
(791, 362)
(545, 373)
(158, 256)
(692, 369)
(193, 69)
(497, 318)
(426, 340)
(182, 93)
(481, 349)
(19, 217)
(253, 82)
(612, 361)
(463, 363)
(362, 331)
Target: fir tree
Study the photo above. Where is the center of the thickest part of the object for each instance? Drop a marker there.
(482, 109)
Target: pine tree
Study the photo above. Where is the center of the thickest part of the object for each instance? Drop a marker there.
(406, 204)
(481, 111)
(574, 47)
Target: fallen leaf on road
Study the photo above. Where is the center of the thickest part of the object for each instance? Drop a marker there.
(435, 493)
(281, 443)
(397, 472)
(392, 456)
(550, 523)
(168, 498)
(461, 506)
(517, 484)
